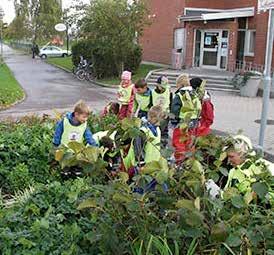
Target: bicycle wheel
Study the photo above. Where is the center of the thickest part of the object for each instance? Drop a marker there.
(90, 76)
(81, 75)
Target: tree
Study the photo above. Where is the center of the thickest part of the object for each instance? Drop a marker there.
(114, 26)
(35, 19)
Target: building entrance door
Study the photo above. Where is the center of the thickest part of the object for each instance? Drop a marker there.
(211, 49)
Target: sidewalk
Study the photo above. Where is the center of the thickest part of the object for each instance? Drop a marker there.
(234, 113)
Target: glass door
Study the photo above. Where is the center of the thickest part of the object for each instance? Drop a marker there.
(210, 53)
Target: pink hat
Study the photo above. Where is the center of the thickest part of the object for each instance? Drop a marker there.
(126, 75)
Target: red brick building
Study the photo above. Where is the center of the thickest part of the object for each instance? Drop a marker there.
(217, 34)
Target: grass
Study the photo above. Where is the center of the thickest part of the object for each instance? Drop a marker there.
(141, 73)
(10, 90)
(65, 63)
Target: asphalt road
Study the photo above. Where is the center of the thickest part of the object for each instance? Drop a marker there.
(48, 87)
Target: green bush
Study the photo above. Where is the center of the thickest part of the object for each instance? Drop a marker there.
(93, 215)
(104, 59)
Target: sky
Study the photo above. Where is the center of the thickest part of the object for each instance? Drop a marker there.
(8, 8)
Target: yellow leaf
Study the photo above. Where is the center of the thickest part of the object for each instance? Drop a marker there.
(197, 203)
(59, 155)
(89, 203)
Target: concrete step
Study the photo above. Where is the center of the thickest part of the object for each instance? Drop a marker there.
(205, 76)
(209, 81)
(214, 82)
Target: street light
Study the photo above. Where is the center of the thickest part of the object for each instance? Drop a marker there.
(1, 28)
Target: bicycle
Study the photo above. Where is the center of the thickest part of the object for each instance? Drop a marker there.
(86, 73)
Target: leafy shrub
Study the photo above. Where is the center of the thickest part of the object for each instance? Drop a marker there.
(103, 58)
(19, 177)
(94, 215)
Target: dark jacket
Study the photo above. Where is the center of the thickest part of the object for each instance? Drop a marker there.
(60, 129)
(177, 104)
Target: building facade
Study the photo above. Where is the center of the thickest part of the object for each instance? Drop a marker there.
(216, 34)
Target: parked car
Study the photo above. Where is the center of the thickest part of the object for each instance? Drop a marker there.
(53, 51)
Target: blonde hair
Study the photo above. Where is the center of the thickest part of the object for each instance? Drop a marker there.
(183, 80)
(81, 107)
(155, 114)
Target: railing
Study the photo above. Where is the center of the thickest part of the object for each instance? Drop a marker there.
(22, 45)
(244, 66)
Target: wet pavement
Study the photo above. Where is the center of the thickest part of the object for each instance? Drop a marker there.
(48, 87)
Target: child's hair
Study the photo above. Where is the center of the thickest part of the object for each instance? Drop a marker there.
(183, 80)
(141, 83)
(114, 108)
(196, 82)
(155, 114)
(107, 142)
(82, 108)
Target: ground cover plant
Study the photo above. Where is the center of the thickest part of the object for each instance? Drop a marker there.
(99, 214)
(10, 90)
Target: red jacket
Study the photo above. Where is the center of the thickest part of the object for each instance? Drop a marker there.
(207, 116)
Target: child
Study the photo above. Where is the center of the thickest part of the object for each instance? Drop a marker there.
(145, 148)
(186, 107)
(207, 113)
(162, 96)
(73, 127)
(126, 95)
(143, 99)
(111, 108)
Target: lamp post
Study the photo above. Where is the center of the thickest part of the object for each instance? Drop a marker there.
(1, 32)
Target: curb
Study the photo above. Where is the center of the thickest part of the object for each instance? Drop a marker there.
(3, 108)
(94, 82)
(15, 103)
(60, 67)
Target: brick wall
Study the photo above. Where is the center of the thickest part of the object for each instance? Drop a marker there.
(157, 41)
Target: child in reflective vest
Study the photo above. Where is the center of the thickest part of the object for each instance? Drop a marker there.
(73, 127)
(162, 96)
(142, 100)
(207, 113)
(186, 108)
(145, 148)
(126, 95)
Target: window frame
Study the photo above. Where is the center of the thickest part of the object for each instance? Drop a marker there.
(248, 53)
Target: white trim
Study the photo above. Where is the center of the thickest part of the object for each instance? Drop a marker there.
(247, 53)
(251, 8)
(227, 15)
(219, 13)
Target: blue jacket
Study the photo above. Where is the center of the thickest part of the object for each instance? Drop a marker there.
(60, 129)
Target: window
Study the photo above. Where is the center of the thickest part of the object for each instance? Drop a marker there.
(179, 38)
(250, 43)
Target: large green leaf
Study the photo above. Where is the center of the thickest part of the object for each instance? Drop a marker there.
(219, 232)
(260, 188)
(88, 203)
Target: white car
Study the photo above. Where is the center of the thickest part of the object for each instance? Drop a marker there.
(53, 51)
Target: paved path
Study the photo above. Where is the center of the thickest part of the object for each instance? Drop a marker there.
(49, 88)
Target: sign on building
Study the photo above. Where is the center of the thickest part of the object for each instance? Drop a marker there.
(264, 5)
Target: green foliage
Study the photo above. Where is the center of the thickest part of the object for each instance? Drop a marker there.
(93, 215)
(10, 90)
(110, 28)
(25, 154)
(35, 19)
(103, 57)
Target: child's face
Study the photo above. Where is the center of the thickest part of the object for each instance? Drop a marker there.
(81, 117)
(125, 82)
(141, 90)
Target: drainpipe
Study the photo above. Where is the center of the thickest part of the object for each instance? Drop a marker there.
(267, 78)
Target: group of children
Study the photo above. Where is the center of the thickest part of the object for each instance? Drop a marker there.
(187, 114)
